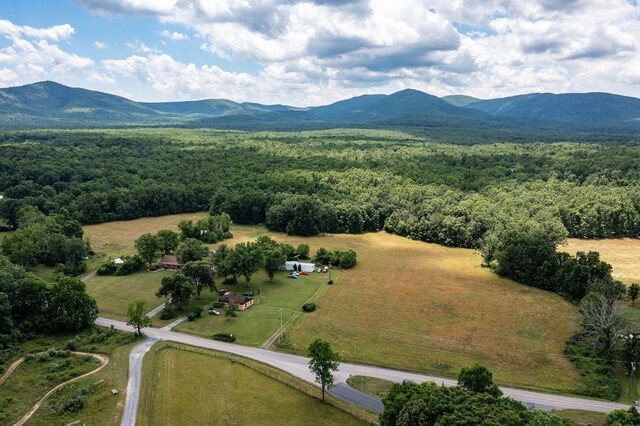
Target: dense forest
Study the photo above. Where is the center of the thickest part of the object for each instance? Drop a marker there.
(326, 181)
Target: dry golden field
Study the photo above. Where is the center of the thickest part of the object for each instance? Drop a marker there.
(423, 307)
(622, 253)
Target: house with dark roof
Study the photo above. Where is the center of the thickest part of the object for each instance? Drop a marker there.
(242, 302)
(169, 262)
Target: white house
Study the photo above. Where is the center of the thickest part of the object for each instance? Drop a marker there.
(305, 267)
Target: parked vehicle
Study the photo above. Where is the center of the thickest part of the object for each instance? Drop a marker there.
(214, 312)
(294, 276)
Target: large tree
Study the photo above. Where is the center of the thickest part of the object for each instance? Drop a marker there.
(148, 246)
(323, 363)
(191, 250)
(202, 274)
(633, 292)
(137, 314)
(603, 322)
(169, 241)
(478, 379)
(70, 307)
(250, 259)
(274, 260)
(178, 287)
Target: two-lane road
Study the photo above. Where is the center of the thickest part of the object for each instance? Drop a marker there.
(298, 366)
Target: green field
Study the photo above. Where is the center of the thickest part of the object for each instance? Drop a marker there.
(434, 302)
(256, 324)
(114, 293)
(189, 388)
(371, 385)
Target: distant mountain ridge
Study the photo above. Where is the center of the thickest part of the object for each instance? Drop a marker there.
(50, 104)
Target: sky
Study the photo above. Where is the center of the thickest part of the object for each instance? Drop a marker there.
(314, 52)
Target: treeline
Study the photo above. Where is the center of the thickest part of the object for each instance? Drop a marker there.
(335, 181)
(29, 306)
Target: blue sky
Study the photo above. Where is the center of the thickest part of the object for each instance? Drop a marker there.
(317, 51)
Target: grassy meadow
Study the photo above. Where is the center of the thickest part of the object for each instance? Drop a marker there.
(621, 253)
(181, 387)
(435, 303)
(114, 293)
(115, 239)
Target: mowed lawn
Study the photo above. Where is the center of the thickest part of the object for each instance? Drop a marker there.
(114, 293)
(196, 389)
(621, 253)
(256, 324)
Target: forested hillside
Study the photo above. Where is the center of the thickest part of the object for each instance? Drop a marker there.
(330, 181)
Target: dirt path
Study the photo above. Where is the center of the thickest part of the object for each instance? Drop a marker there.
(104, 360)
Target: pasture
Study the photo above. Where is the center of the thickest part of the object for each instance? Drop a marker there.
(114, 293)
(181, 387)
(435, 303)
(621, 253)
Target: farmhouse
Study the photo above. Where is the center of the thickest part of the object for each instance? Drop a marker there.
(299, 266)
(243, 302)
(169, 262)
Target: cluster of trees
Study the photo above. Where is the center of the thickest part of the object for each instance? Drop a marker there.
(343, 259)
(30, 306)
(210, 230)
(54, 240)
(129, 265)
(529, 256)
(475, 401)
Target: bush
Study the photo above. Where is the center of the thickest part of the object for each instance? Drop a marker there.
(224, 337)
(71, 405)
(72, 345)
(309, 307)
(197, 311)
(330, 282)
(347, 259)
(168, 313)
(191, 316)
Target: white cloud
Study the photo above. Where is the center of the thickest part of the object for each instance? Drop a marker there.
(55, 33)
(100, 45)
(174, 35)
(141, 47)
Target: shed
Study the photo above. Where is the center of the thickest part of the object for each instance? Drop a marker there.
(292, 265)
(169, 262)
(243, 302)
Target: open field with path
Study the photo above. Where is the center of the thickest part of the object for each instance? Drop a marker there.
(192, 388)
(622, 253)
(428, 308)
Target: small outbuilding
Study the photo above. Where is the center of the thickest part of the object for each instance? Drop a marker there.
(118, 261)
(169, 262)
(293, 265)
(243, 302)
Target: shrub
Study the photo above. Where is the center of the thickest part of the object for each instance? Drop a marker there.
(330, 282)
(72, 345)
(347, 259)
(191, 316)
(224, 337)
(168, 313)
(309, 307)
(197, 311)
(71, 405)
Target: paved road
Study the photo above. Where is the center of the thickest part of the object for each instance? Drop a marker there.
(135, 378)
(346, 392)
(155, 311)
(298, 367)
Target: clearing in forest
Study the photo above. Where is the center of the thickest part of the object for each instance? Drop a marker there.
(621, 253)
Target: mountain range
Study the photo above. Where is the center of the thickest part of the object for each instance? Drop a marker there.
(51, 105)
